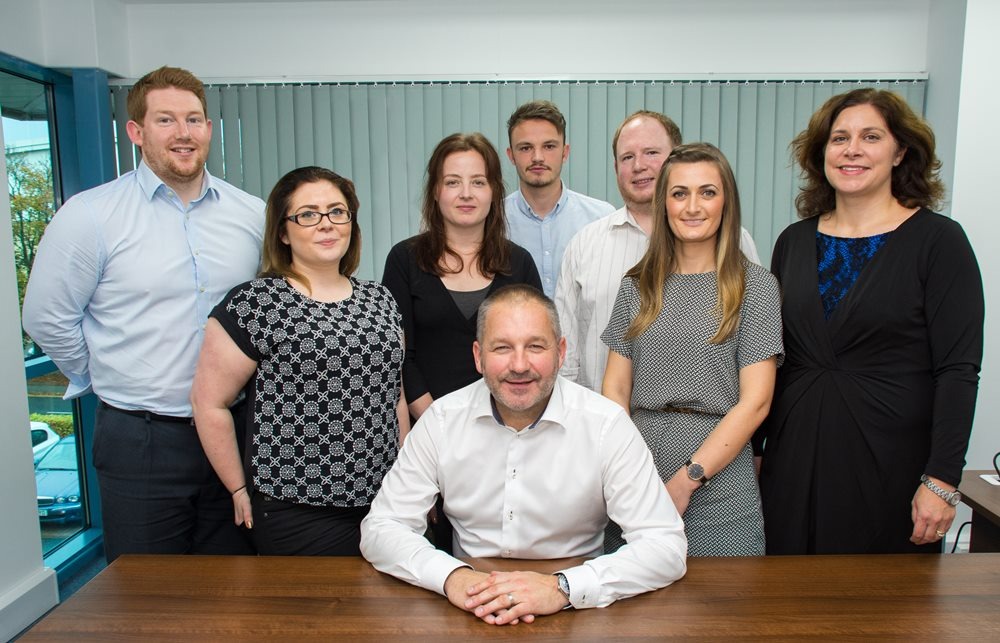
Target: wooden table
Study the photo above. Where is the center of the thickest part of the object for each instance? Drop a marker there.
(984, 499)
(829, 597)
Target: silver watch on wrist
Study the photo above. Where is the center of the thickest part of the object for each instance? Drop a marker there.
(951, 497)
(563, 583)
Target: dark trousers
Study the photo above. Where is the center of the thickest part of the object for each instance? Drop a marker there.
(159, 494)
(290, 529)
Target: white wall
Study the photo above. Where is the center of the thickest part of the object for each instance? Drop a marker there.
(974, 203)
(66, 33)
(86, 33)
(370, 39)
(27, 590)
(944, 68)
(21, 30)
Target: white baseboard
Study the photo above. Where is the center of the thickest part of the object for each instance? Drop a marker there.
(26, 601)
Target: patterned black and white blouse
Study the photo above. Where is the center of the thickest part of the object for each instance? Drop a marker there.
(322, 426)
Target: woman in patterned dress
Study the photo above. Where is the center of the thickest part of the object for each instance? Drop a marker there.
(695, 338)
(319, 355)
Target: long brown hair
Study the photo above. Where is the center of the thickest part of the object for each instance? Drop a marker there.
(432, 244)
(660, 260)
(276, 259)
(916, 181)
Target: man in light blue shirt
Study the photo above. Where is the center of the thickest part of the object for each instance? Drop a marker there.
(118, 297)
(543, 214)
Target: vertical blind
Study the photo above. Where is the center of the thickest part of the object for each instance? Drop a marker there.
(380, 135)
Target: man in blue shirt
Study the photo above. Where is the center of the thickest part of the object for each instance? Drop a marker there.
(118, 297)
(543, 214)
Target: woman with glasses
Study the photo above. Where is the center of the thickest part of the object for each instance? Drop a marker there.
(440, 276)
(319, 355)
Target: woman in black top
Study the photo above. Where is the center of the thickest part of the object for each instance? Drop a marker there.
(320, 355)
(883, 313)
(440, 276)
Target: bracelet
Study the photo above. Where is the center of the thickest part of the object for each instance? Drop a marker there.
(239, 490)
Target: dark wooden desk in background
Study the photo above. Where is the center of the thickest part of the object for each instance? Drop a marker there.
(829, 597)
(984, 499)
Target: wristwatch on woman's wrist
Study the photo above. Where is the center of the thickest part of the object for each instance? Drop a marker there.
(696, 472)
(951, 497)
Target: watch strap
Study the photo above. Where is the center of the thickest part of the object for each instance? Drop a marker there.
(951, 497)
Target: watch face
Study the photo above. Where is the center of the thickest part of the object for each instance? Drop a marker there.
(696, 471)
(563, 584)
(955, 499)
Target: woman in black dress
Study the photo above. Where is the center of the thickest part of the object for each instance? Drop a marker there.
(883, 312)
(319, 354)
(440, 276)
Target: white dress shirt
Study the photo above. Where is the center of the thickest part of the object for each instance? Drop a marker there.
(593, 266)
(545, 238)
(541, 493)
(125, 278)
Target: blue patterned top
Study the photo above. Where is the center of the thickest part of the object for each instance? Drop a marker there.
(839, 262)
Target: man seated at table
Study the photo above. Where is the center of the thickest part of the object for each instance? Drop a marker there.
(530, 465)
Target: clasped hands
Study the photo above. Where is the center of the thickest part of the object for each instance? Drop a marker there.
(504, 598)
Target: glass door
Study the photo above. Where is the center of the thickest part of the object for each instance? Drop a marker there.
(33, 187)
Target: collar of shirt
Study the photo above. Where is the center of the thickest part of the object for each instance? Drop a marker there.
(496, 416)
(525, 209)
(553, 410)
(622, 217)
(150, 184)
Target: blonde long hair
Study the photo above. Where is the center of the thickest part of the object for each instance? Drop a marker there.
(660, 260)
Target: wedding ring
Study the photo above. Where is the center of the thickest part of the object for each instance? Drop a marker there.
(510, 600)
(940, 534)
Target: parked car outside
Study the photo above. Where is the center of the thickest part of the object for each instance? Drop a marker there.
(58, 482)
(43, 438)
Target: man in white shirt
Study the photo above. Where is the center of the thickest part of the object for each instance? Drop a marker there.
(543, 214)
(598, 256)
(530, 466)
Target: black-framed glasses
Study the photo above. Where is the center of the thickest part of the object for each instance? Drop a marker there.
(309, 218)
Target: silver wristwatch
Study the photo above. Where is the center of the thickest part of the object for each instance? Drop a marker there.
(563, 583)
(951, 497)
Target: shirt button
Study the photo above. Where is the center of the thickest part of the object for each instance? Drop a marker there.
(506, 553)
(201, 290)
(510, 515)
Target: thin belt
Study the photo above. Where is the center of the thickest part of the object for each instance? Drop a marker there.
(681, 409)
(149, 415)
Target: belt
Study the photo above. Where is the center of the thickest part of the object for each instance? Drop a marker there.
(684, 410)
(149, 415)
